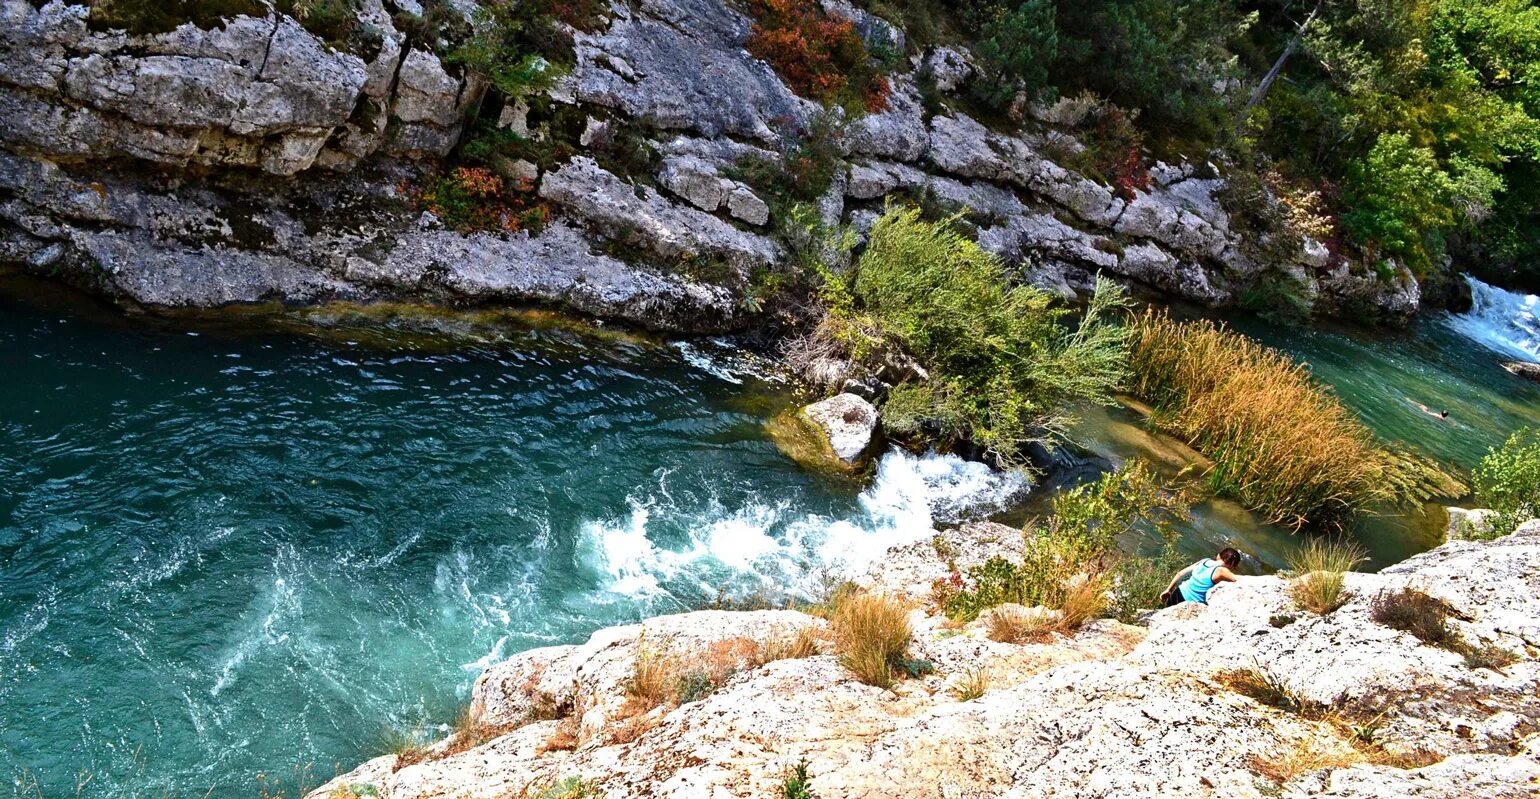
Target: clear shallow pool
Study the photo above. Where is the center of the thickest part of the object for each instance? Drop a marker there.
(225, 554)
(228, 551)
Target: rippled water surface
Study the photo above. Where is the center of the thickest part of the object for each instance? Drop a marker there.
(227, 553)
(231, 554)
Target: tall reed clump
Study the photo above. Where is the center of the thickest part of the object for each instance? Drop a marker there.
(1282, 443)
(871, 633)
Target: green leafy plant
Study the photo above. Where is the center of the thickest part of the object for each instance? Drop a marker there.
(1508, 482)
(1071, 562)
(797, 784)
(1003, 363)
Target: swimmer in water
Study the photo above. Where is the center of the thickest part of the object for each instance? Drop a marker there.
(1442, 416)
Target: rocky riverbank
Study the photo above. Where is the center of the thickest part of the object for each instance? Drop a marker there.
(250, 160)
(1357, 709)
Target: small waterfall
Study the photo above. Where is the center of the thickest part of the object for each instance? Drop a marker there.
(1502, 321)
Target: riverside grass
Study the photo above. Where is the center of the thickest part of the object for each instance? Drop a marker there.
(1281, 443)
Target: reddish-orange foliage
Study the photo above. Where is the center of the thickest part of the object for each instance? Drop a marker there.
(471, 198)
(814, 53)
(1131, 175)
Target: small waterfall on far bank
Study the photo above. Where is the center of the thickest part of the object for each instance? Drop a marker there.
(1502, 321)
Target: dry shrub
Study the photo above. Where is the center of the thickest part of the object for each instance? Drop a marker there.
(871, 634)
(1263, 686)
(471, 731)
(1320, 572)
(1281, 442)
(818, 55)
(1014, 624)
(1307, 756)
(562, 739)
(1412, 611)
(1083, 601)
(631, 729)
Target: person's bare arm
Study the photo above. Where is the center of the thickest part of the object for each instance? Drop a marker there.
(1224, 575)
(1180, 576)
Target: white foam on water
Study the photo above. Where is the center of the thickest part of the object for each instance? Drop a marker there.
(786, 551)
(1502, 321)
(722, 359)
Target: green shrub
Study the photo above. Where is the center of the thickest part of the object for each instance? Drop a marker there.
(1015, 48)
(1002, 362)
(797, 784)
(1508, 481)
(570, 788)
(1077, 547)
(162, 16)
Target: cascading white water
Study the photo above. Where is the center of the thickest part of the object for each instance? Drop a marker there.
(1502, 321)
(770, 545)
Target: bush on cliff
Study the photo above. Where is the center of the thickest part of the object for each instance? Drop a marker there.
(1281, 443)
(1002, 360)
(1508, 481)
(818, 55)
(1071, 563)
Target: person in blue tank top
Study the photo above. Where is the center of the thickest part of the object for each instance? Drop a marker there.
(1193, 583)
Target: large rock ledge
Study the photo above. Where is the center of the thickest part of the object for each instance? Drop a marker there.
(1114, 711)
(253, 162)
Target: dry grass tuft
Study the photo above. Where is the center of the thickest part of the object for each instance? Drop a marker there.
(1281, 442)
(1320, 568)
(654, 677)
(471, 731)
(971, 684)
(1306, 757)
(871, 634)
(563, 739)
(1014, 624)
(1083, 601)
(802, 643)
(1264, 687)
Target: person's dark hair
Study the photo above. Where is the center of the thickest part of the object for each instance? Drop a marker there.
(1230, 556)
(1443, 414)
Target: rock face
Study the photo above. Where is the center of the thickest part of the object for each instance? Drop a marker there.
(1524, 369)
(848, 422)
(252, 161)
(1111, 711)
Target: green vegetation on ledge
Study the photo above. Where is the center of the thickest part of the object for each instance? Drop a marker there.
(1001, 362)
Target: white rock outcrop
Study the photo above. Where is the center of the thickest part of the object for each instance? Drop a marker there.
(848, 422)
(1112, 711)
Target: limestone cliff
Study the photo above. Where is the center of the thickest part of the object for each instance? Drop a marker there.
(250, 160)
(1113, 711)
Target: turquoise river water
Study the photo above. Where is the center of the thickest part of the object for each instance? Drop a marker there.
(234, 557)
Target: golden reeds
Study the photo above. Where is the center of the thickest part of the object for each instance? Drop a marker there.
(1281, 442)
